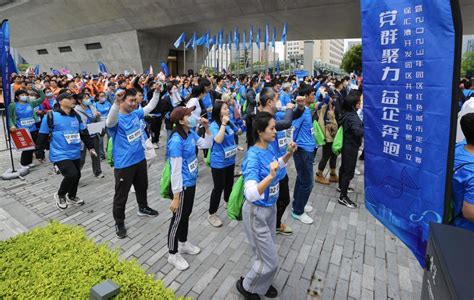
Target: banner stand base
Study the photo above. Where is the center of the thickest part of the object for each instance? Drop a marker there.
(8, 174)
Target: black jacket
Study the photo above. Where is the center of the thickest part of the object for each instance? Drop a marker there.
(251, 94)
(353, 129)
(338, 106)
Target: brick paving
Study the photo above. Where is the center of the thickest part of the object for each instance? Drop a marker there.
(345, 254)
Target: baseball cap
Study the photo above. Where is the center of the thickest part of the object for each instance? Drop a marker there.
(180, 112)
(64, 96)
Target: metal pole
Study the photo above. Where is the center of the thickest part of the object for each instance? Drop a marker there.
(230, 61)
(238, 61)
(251, 61)
(284, 59)
(184, 63)
(274, 63)
(195, 60)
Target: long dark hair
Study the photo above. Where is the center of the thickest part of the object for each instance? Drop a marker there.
(260, 123)
(216, 111)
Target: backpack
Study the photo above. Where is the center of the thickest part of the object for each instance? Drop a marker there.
(236, 200)
(50, 121)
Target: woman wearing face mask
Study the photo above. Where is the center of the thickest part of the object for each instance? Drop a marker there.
(22, 115)
(181, 151)
(49, 101)
(261, 170)
(89, 114)
(328, 123)
(224, 150)
(103, 107)
(171, 100)
(353, 134)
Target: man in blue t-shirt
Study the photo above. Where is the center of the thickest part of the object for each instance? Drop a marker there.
(130, 168)
(463, 177)
(66, 132)
(304, 158)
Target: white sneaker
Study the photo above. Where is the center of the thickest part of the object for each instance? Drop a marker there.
(357, 172)
(24, 167)
(214, 220)
(132, 189)
(32, 165)
(308, 208)
(178, 261)
(303, 218)
(101, 175)
(188, 248)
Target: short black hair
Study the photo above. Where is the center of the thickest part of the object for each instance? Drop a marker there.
(467, 84)
(305, 90)
(260, 122)
(130, 92)
(350, 101)
(467, 127)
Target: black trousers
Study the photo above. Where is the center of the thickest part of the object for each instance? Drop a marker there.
(96, 168)
(249, 133)
(124, 178)
(348, 165)
(71, 171)
(327, 155)
(223, 181)
(155, 128)
(283, 200)
(27, 156)
(179, 225)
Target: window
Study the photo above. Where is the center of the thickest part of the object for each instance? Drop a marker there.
(93, 46)
(65, 49)
(42, 51)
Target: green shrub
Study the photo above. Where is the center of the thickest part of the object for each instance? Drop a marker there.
(60, 261)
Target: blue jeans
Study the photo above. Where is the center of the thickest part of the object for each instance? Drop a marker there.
(304, 179)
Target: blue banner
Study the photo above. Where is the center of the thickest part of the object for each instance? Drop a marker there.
(408, 59)
(5, 54)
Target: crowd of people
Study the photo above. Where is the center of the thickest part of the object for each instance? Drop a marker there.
(120, 117)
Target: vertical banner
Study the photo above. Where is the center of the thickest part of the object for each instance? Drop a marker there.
(410, 52)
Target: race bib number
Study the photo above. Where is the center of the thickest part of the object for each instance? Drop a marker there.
(274, 190)
(27, 122)
(312, 130)
(72, 138)
(230, 151)
(193, 166)
(132, 137)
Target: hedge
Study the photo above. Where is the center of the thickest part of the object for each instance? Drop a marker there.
(60, 261)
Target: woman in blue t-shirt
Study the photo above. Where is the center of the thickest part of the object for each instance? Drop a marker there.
(181, 151)
(223, 154)
(261, 169)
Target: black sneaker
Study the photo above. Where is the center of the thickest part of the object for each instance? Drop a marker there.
(344, 200)
(248, 296)
(61, 201)
(272, 292)
(349, 190)
(120, 230)
(75, 201)
(147, 212)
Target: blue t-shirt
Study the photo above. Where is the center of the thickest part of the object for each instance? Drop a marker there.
(65, 138)
(186, 149)
(303, 131)
(463, 184)
(25, 117)
(284, 98)
(127, 139)
(185, 92)
(104, 109)
(206, 100)
(256, 166)
(223, 154)
(243, 92)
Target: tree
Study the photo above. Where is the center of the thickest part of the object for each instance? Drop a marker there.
(467, 64)
(352, 60)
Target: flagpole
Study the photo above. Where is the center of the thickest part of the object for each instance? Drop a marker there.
(184, 63)
(284, 58)
(274, 64)
(230, 60)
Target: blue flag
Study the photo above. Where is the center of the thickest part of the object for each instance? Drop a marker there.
(102, 68)
(283, 34)
(37, 70)
(243, 40)
(5, 53)
(201, 41)
(221, 39)
(236, 39)
(164, 68)
(207, 41)
(257, 39)
(274, 36)
(194, 40)
(181, 39)
(191, 41)
(409, 77)
(251, 38)
(265, 41)
(229, 40)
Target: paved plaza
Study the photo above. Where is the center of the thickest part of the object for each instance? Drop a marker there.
(345, 254)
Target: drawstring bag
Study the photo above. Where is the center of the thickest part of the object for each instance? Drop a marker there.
(208, 157)
(319, 136)
(109, 156)
(165, 182)
(337, 143)
(236, 200)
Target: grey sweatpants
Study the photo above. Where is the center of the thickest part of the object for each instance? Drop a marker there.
(260, 224)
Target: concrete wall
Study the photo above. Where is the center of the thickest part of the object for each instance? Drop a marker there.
(119, 51)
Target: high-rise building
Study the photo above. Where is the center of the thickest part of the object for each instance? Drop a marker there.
(328, 52)
(467, 43)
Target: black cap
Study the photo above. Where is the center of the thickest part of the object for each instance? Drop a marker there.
(63, 96)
